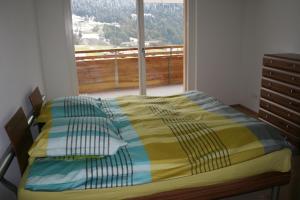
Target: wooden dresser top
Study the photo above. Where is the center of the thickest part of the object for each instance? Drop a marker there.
(289, 56)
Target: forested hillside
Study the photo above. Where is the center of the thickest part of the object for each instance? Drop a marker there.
(163, 22)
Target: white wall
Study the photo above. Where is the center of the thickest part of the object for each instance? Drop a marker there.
(56, 48)
(219, 48)
(232, 37)
(20, 69)
(269, 26)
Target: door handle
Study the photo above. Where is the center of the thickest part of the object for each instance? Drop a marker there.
(144, 52)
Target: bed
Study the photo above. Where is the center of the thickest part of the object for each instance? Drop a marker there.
(183, 146)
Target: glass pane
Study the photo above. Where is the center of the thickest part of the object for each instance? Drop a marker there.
(105, 38)
(164, 30)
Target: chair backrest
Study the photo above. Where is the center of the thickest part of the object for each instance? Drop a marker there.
(18, 131)
(36, 100)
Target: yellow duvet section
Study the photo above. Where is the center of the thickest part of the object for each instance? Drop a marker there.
(177, 131)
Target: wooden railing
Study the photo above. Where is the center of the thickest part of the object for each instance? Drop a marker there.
(100, 70)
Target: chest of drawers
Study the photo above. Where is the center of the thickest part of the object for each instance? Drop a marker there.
(280, 94)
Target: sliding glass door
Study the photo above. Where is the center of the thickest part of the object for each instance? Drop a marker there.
(164, 33)
(106, 47)
(160, 35)
(125, 47)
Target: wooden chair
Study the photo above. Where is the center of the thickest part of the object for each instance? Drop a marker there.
(18, 131)
(36, 100)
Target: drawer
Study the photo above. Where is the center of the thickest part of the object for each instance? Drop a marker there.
(284, 125)
(292, 92)
(280, 111)
(288, 78)
(291, 104)
(282, 64)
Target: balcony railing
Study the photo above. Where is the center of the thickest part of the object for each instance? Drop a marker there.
(109, 69)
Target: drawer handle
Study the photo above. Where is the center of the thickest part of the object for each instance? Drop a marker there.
(290, 103)
(271, 61)
(292, 91)
(293, 78)
(269, 95)
(269, 84)
(270, 73)
(267, 106)
(288, 126)
(288, 114)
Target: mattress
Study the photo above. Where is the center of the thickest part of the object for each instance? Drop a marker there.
(279, 161)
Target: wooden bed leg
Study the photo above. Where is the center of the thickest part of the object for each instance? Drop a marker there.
(275, 192)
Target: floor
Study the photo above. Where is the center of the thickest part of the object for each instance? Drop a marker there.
(153, 91)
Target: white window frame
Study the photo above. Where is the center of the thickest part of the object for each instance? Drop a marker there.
(190, 46)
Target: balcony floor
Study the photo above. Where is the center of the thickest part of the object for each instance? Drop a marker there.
(153, 91)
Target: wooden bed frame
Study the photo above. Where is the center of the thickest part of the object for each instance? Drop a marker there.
(240, 186)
